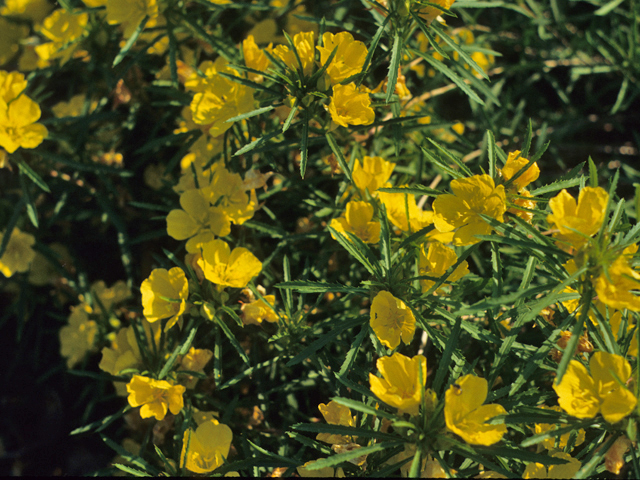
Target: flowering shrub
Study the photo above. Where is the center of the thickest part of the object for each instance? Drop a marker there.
(334, 245)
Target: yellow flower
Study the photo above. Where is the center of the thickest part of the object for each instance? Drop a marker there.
(358, 221)
(349, 106)
(614, 458)
(155, 396)
(466, 416)
(550, 443)
(18, 255)
(336, 414)
(582, 395)
(566, 470)
(77, 338)
(130, 13)
(219, 98)
(18, 127)
(10, 36)
(195, 361)
(228, 268)
(256, 310)
(618, 286)
(197, 221)
(372, 173)
(400, 384)
(428, 14)
(436, 261)
(349, 57)
(615, 320)
(205, 448)
(228, 192)
(392, 320)
(586, 216)
(304, 44)
(461, 211)
(164, 295)
(255, 58)
(404, 213)
(63, 29)
(514, 165)
(12, 84)
(34, 10)
(107, 296)
(75, 107)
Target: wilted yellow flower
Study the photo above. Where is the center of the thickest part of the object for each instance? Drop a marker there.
(194, 361)
(18, 127)
(155, 396)
(436, 261)
(400, 384)
(18, 255)
(228, 268)
(614, 458)
(404, 213)
(255, 58)
(304, 44)
(336, 414)
(198, 221)
(164, 295)
(586, 216)
(617, 287)
(358, 221)
(77, 338)
(205, 448)
(461, 211)
(349, 57)
(372, 173)
(350, 106)
(514, 164)
(550, 443)
(62, 29)
(129, 14)
(566, 470)
(466, 415)
(582, 395)
(392, 320)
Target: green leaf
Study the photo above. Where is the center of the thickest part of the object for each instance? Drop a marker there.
(257, 142)
(451, 157)
(135, 460)
(412, 190)
(232, 338)
(292, 113)
(385, 241)
(101, 424)
(250, 84)
(337, 151)
(372, 48)
(396, 55)
(304, 141)
(465, 56)
(364, 408)
(353, 352)
(427, 33)
(179, 350)
(491, 153)
(358, 250)
(35, 178)
(445, 361)
(554, 187)
(250, 114)
(345, 457)
(343, 430)
(593, 173)
(132, 40)
(608, 7)
(308, 286)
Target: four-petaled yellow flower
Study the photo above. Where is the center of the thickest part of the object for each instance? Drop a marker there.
(155, 396)
(304, 45)
(404, 213)
(514, 164)
(228, 268)
(466, 415)
(435, 261)
(358, 221)
(257, 310)
(63, 29)
(18, 127)
(350, 106)
(582, 395)
(372, 173)
(194, 361)
(618, 287)
(461, 211)
(336, 414)
(577, 222)
(77, 338)
(255, 58)
(164, 295)
(428, 13)
(392, 320)
(205, 448)
(550, 443)
(130, 14)
(349, 57)
(18, 255)
(400, 384)
(566, 470)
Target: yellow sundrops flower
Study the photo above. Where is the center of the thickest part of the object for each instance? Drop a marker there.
(12, 84)
(392, 320)
(428, 14)
(514, 164)
(304, 44)
(371, 173)
(156, 397)
(78, 336)
(129, 14)
(400, 384)
(582, 395)
(255, 58)
(586, 216)
(227, 268)
(74, 107)
(18, 255)
(550, 443)
(197, 221)
(461, 211)
(618, 286)
(349, 57)
(435, 261)
(229, 192)
(205, 448)
(63, 30)
(34, 10)
(164, 295)
(107, 296)
(194, 361)
(18, 127)
(336, 414)
(404, 212)
(350, 106)
(566, 470)
(256, 310)
(466, 415)
(358, 221)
